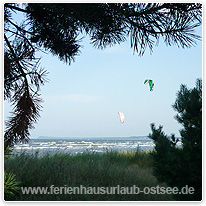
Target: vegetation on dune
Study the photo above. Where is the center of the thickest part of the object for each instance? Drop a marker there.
(87, 169)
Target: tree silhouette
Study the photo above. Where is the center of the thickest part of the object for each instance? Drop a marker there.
(176, 166)
(59, 29)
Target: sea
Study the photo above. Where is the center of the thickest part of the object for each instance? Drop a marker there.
(79, 145)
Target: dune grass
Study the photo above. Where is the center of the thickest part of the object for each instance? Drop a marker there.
(107, 169)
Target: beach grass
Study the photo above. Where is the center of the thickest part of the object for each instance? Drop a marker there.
(89, 169)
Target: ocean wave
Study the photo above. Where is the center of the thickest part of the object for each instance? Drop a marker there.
(79, 146)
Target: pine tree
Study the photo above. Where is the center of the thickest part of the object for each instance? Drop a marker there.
(181, 166)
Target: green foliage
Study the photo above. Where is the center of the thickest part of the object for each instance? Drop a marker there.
(180, 166)
(11, 186)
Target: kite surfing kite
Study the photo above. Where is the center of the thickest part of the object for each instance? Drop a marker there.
(151, 84)
(121, 115)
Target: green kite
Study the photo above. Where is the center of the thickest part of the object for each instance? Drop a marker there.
(151, 84)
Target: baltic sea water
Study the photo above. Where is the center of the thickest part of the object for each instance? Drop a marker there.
(79, 145)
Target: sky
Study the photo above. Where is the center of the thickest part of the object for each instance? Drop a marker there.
(83, 99)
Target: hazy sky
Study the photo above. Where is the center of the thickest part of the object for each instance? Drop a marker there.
(83, 99)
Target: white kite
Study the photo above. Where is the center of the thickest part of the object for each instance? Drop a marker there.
(121, 115)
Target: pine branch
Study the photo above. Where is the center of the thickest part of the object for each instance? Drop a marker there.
(26, 105)
(17, 62)
(16, 8)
